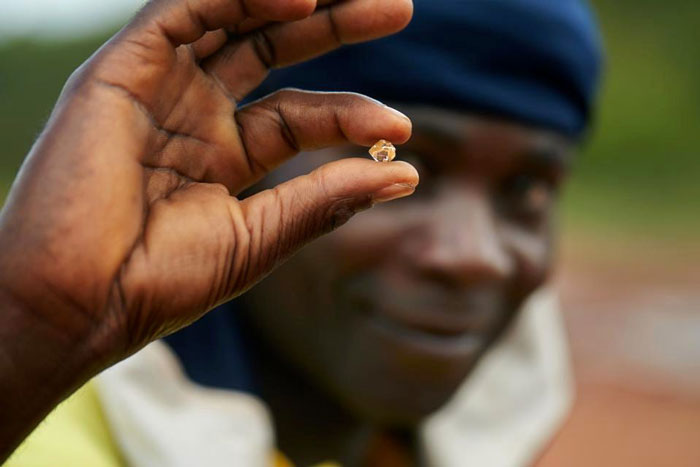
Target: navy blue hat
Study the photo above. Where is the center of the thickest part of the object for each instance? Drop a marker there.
(534, 61)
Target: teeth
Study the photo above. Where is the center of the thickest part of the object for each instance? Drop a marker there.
(383, 151)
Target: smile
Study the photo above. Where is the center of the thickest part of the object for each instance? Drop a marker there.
(424, 337)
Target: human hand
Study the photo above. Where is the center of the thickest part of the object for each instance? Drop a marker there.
(123, 225)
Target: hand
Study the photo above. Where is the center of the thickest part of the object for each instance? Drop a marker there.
(123, 225)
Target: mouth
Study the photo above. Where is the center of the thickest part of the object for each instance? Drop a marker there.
(448, 330)
(425, 339)
(430, 315)
(427, 318)
(434, 321)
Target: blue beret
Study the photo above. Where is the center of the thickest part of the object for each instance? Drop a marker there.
(533, 61)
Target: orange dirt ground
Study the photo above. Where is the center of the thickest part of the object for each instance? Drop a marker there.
(633, 314)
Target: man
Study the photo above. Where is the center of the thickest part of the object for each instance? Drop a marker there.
(356, 343)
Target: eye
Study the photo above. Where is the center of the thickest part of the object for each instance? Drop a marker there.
(528, 198)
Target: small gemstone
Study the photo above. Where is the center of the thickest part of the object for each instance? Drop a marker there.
(383, 151)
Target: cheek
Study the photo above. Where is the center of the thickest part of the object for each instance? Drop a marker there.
(369, 238)
(298, 287)
(313, 276)
(290, 310)
(532, 253)
(295, 294)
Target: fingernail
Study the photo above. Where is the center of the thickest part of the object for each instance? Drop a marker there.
(395, 191)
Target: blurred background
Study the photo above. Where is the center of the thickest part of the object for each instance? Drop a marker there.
(629, 273)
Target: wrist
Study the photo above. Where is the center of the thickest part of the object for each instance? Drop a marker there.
(40, 364)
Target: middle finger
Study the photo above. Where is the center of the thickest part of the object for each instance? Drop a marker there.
(240, 66)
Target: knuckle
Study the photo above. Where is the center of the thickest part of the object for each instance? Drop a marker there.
(264, 48)
(240, 258)
(342, 210)
(284, 94)
(218, 189)
(339, 208)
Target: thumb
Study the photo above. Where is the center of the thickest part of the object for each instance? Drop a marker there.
(283, 219)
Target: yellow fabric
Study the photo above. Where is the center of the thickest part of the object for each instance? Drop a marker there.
(280, 460)
(75, 433)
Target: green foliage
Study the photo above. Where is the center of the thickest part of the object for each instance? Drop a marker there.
(641, 170)
(32, 74)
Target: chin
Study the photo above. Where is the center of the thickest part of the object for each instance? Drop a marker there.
(395, 405)
(398, 389)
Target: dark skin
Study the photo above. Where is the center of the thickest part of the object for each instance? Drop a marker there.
(124, 223)
(385, 318)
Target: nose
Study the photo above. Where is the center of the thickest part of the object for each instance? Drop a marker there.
(457, 240)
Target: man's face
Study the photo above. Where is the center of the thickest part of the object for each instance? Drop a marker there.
(390, 313)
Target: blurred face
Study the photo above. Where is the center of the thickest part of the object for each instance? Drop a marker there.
(390, 313)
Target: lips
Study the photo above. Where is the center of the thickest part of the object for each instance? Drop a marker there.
(429, 312)
(440, 322)
(420, 341)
